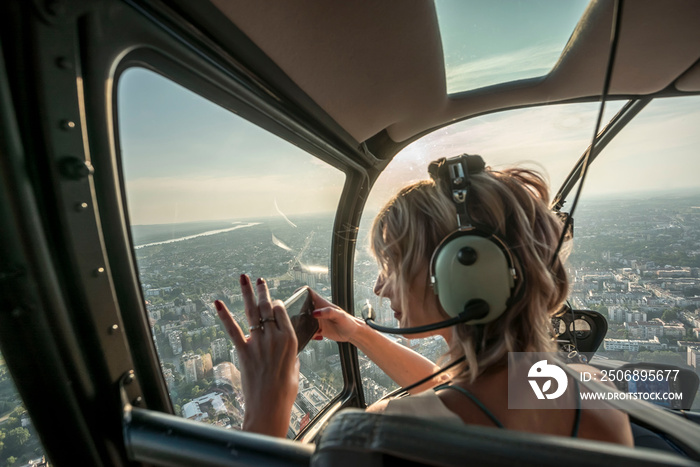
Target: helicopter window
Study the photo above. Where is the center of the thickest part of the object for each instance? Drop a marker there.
(212, 196)
(636, 257)
(548, 138)
(20, 443)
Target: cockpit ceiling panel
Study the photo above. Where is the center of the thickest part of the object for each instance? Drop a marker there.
(690, 81)
(375, 66)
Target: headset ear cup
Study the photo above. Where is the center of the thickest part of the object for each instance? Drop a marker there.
(466, 267)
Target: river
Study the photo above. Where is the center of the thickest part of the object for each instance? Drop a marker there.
(203, 234)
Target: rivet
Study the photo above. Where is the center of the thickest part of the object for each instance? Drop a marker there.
(137, 401)
(63, 63)
(114, 328)
(99, 271)
(81, 207)
(129, 378)
(67, 125)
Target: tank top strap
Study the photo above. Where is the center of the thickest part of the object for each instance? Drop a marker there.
(492, 417)
(475, 400)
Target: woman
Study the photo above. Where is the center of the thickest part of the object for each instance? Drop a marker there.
(511, 204)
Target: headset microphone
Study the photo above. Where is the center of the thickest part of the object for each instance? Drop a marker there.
(474, 310)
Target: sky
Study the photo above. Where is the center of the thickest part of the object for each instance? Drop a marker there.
(186, 159)
(492, 41)
(658, 151)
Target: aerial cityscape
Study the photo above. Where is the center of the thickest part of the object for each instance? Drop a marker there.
(636, 262)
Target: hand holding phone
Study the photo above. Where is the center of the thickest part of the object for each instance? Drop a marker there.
(300, 307)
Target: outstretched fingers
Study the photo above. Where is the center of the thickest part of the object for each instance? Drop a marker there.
(264, 301)
(251, 307)
(230, 324)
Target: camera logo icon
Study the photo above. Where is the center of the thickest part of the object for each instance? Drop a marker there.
(542, 369)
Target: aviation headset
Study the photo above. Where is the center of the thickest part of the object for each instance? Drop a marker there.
(472, 270)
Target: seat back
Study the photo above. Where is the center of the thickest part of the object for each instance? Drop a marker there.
(354, 437)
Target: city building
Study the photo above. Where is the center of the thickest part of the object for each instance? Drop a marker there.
(644, 329)
(194, 367)
(310, 275)
(314, 400)
(693, 353)
(617, 314)
(198, 408)
(674, 330)
(169, 377)
(233, 357)
(175, 340)
(207, 318)
(154, 313)
(308, 356)
(634, 345)
(187, 307)
(632, 316)
(218, 349)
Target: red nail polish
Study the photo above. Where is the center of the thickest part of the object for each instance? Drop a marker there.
(318, 338)
(316, 313)
(219, 306)
(260, 280)
(243, 279)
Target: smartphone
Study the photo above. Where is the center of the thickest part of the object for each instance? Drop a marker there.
(300, 307)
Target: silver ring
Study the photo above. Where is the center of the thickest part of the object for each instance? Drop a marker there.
(265, 320)
(259, 327)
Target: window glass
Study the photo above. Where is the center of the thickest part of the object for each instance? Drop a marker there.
(549, 139)
(19, 442)
(636, 255)
(488, 42)
(212, 196)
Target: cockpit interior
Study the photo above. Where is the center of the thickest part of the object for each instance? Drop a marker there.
(152, 151)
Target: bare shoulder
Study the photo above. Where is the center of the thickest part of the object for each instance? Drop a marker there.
(609, 425)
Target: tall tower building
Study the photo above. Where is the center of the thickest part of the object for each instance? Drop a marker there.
(218, 349)
(190, 366)
(233, 356)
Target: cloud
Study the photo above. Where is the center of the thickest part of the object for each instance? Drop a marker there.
(529, 62)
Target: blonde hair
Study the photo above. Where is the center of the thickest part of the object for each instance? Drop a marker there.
(513, 204)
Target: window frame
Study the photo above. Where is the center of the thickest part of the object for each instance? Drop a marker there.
(156, 63)
(228, 89)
